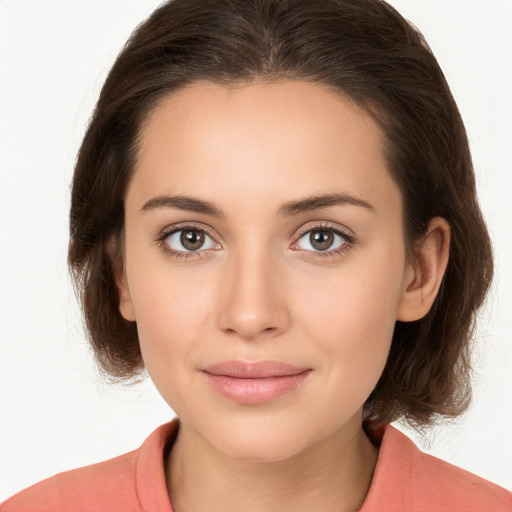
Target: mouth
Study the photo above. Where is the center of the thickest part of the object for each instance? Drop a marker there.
(254, 383)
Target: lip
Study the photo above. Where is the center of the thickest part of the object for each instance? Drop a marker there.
(255, 382)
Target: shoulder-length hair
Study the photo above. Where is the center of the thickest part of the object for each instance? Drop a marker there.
(364, 50)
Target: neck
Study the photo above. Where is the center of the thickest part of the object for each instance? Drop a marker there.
(333, 475)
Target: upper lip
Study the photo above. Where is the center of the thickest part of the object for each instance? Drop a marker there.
(254, 369)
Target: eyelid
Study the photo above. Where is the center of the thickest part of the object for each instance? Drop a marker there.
(170, 230)
(348, 236)
(323, 224)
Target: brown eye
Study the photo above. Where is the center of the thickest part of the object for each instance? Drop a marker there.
(321, 240)
(192, 240)
(188, 240)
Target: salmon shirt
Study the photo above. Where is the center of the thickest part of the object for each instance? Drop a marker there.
(405, 480)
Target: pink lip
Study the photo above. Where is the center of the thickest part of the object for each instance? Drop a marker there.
(255, 382)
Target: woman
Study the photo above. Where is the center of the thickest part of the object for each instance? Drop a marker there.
(274, 213)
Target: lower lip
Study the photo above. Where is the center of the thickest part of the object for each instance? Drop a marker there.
(256, 391)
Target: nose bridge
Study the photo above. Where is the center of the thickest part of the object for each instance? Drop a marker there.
(252, 298)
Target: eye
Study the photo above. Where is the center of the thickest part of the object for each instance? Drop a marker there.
(324, 239)
(187, 240)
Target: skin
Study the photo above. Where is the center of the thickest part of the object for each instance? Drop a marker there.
(258, 290)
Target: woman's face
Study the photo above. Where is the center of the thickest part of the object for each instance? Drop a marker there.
(265, 263)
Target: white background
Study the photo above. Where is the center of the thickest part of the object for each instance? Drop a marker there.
(55, 413)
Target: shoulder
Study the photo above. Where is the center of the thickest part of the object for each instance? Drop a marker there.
(134, 481)
(407, 479)
(79, 489)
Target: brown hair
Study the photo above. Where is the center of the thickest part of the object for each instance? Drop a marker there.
(361, 48)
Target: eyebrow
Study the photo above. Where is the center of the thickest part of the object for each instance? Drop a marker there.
(295, 207)
(308, 204)
(187, 203)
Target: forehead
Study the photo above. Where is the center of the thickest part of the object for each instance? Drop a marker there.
(262, 140)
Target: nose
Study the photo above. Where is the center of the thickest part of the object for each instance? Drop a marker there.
(253, 300)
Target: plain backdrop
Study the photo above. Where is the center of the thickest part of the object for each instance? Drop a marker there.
(55, 412)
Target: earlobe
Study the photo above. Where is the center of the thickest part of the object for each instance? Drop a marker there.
(125, 301)
(424, 276)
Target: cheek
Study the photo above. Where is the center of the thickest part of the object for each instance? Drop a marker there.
(172, 306)
(170, 310)
(351, 313)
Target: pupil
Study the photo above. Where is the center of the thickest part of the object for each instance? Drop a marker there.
(192, 240)
(321, 240)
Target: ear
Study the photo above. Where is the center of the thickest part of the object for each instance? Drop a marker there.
(423, 276)
(114, 252)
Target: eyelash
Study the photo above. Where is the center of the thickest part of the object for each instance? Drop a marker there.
(176, 229)
(349, 241)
